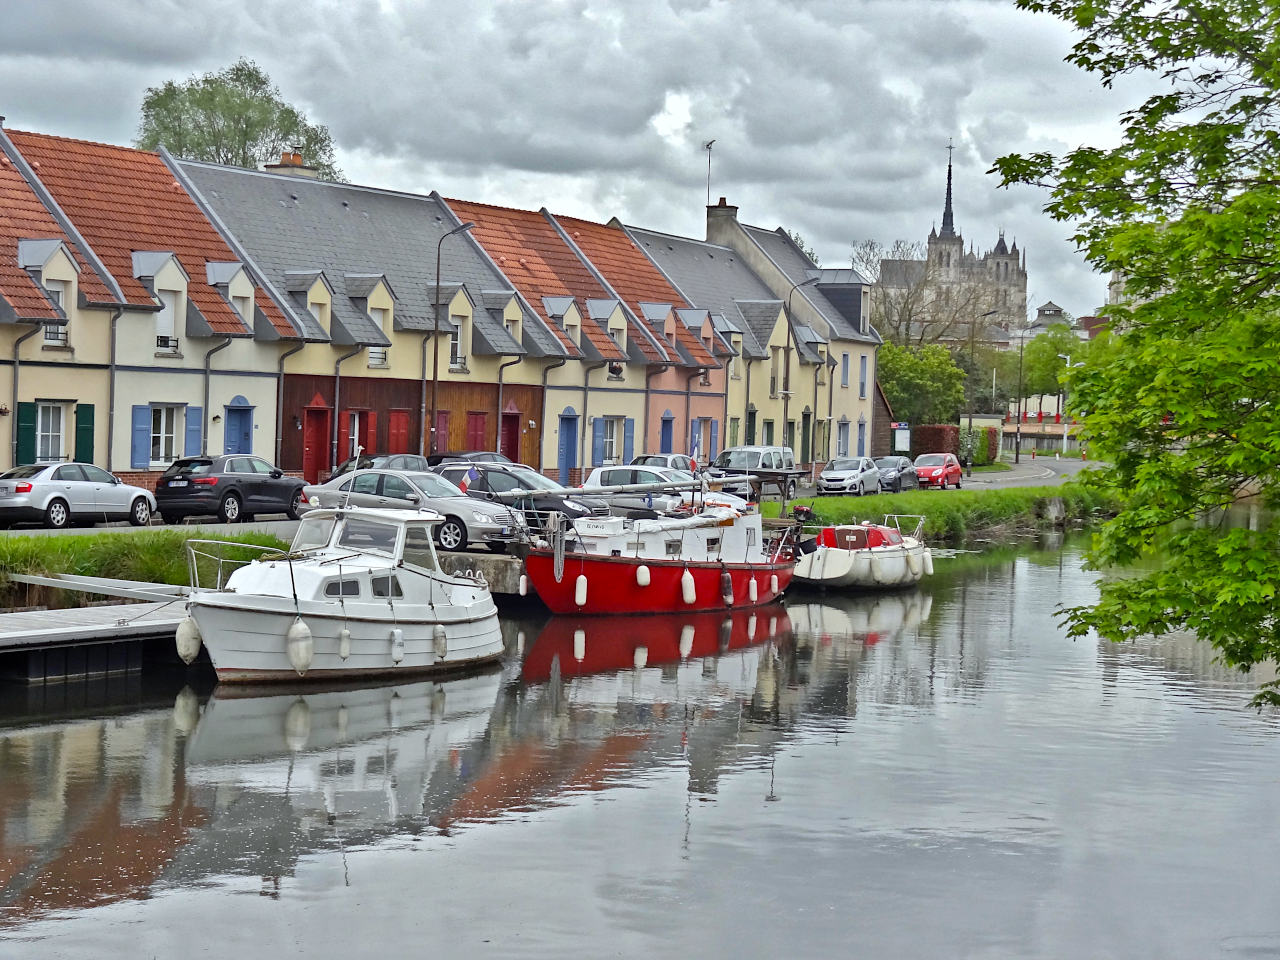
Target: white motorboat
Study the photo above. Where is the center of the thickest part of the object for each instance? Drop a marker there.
(359, 594)
(865, 555)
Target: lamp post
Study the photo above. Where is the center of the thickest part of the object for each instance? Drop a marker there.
(1017, 430)
(1062, 399)
(786, 372)
(435, 354)
(968, 381)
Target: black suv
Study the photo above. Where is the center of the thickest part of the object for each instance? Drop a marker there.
(540, 495)
(234, 487)
(477, 456)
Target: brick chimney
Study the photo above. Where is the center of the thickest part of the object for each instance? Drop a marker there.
(291, 165)
(722, 222)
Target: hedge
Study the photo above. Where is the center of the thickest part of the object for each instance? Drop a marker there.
(935, 438)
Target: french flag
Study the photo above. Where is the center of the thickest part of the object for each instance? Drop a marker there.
(468, 479)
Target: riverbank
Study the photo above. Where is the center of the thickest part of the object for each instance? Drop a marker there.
(952, 515)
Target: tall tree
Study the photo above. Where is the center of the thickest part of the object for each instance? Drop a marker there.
(807, 250)
(235, 116)
(922, 384)
(1182, 401)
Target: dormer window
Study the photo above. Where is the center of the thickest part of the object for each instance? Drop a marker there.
(735, 372)
(512, 325)
(571, 331)
(378, 358)
(619, 335)
(320, 311)
(244, 307)
(59, 292)
(457, 358)
(167, 321)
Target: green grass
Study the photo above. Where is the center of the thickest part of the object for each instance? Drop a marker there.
(954, 514)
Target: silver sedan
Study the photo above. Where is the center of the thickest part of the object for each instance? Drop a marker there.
(58, 494)
(466, 519)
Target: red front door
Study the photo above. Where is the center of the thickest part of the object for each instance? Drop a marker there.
(476, 424)
(510, 443)
(398, 431)
(315, 444)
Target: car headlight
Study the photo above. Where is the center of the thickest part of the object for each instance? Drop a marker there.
(577, 506)
(480, 516)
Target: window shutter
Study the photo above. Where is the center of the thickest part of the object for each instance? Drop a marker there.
(26, 427)
(628, 440)
(140, 446)
(84, 432)
(344, 435)
(195, 431)
(715, 431)
(597, 442)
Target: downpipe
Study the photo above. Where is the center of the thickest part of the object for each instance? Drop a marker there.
(337, 407)
(502, 367)
(17, 368)
(586, 400)
(545, 371)
(280, 398)
(208, 373)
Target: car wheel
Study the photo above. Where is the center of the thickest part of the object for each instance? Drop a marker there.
(57, 515)
(957, 481)
(172, 518)
(140, 512)
(294, 501)
(452, 534)
(229, 509)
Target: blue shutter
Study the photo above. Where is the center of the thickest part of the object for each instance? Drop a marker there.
(628, 440)
(140, 448)
(195, 425)
(715, 430)
(597, 442)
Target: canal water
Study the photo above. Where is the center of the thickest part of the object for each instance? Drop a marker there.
(932, 774)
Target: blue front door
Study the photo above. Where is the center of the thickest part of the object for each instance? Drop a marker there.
(667, 438)
(238, 435)
(568, 446)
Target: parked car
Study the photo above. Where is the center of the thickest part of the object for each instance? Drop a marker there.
(381, 461)
(672, 461)
(234, 487)
(856, 475)
(770, 461)
(938, 470)
(57, 494)
(466, 519)
(541, 495)
(897, 474)
(659, 501)
(479, 456)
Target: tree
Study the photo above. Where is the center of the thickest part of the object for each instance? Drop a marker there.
(807, 250)
(235, 116)
(1043, 363)
(922, 384)
(1182, 400)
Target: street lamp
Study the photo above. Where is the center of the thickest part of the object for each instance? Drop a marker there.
(1062, 398)
(968, 382)
(786, 373)
(1017, 430)
(435, 356)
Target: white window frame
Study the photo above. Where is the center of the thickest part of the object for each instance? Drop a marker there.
(244, 308)
(51, 431)
(164, 427)
(455, 348)
(862, 376)
(844, 369)
(167, 318)
(378, 358)
(619, 336)
(573, 332)
(59, 292)
(611, 444)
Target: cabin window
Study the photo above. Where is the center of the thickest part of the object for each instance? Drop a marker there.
(713, 543)
(342, 588)
(386, 586)
(313, 533)
(673, 548)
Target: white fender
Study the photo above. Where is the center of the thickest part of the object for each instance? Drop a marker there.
(187, 639)
(297, 725)
(580, 590)
(687, 589)
(928, 562)
(642, 575)
(726, 588)
(579, 644)
(344, 643)
(877, 568)
(440, 641)
(524, 585)
(753, 591)
(300, 646)
(686, 641)
(773, 583)
(641, 657)
(186, 711)
(913, 562)
(397, 644)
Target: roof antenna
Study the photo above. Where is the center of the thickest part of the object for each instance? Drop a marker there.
(707, 147)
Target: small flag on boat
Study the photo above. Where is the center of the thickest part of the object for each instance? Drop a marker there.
(468, 479)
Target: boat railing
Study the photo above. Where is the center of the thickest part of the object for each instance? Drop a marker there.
(895, 520)
(205, 562)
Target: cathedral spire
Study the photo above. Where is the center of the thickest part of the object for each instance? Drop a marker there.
(948, 219)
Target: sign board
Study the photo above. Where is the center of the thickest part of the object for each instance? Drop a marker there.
(901, 436)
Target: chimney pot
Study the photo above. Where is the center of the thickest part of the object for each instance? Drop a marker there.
(285, 157)
(296, 158)
(722, 202)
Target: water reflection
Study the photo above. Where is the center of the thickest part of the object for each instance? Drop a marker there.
(833, 758)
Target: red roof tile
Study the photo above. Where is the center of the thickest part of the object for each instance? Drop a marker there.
(526, 248)
(123, 200)
(24, 217)
(632, 274)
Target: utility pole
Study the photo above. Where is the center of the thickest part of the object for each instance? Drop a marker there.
(707, 147)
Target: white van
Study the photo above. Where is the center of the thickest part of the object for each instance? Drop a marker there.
(770, 463)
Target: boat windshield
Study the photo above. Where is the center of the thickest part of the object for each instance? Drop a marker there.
(313, 533)
(738, 459)
(419, 547)
(368, 536)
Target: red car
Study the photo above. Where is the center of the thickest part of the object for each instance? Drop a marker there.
(938, 470)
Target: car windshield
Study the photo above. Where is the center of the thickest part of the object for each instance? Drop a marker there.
(887, 463)
(843, 465)
(22, 473)
(434, 485)
(533, 480)
(652, 460)
(930, 460)
(189, 467)
(738, 459)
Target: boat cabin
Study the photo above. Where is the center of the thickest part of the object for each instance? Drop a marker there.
(859, 536)
(397, 535)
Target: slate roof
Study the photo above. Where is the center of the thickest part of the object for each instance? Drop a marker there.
(123, 200)
(797, 267)
(760, 316)
(535, 258)
(716, 279)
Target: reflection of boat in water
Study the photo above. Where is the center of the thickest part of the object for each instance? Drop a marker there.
(586, 645)
(871, 618)
(864, 555)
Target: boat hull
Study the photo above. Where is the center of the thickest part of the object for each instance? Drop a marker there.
(246, 638)
(613, 584)
(868, 568)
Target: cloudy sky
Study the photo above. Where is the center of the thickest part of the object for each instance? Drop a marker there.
(830, 117)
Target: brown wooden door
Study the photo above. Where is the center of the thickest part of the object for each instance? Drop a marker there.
(315, 444)
(476, 428)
